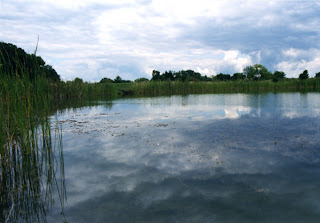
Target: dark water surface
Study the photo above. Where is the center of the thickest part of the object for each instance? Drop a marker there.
(196, 158)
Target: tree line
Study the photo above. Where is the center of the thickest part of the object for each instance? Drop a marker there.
(252, 73)
(15, 61)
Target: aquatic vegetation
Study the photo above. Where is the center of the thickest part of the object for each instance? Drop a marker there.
(81, 90)
(30, 153)
(84, 90)
(154, 88)
(31, 150)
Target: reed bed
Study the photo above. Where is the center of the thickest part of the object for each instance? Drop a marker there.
(28, 148)
(154, 88)
(59, 91)
(72, 89)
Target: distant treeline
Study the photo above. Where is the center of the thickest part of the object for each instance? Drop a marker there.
(256, 72)
(15, 61)
(17, 65)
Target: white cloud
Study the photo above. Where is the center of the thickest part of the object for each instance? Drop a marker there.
(296, 63)
(207, 62)
(238, 60)
(292, 52)
(130, 38)
(73, 5)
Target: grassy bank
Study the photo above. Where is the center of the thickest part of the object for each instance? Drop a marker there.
(154, 88)
(73, 89)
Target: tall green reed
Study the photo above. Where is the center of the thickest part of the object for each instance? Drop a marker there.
(80, 90)
(28, 149)
(154, 88)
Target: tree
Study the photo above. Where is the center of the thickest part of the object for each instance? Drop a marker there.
(257, 72)
(142, 79)
(223, 77)
(317, 75)
(304, 75)
(106, 80)
(249, 72)
(78, 80)
(155, 75)
(278, 75)
(206, 78)
(51, 73)
(15, 61)
(262, 72)
(118, 79)
(168, 75)
(238, 76)
(188, 75)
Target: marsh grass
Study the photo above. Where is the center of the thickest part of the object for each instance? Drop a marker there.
(100, 91)
(27, 148)
(157, 88)
(76, 90)
(154, 88)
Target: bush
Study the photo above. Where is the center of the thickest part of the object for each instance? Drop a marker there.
(304, 75)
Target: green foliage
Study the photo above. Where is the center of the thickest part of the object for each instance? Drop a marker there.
(78, 80)
(257, 72)
(118, 79)
(50, 73)
(106, 80)
(83, 90)
(249, 72)
(108, 88)
(142, 79)
(238, 76)
(168, 75)
(15, 61)
(263, 72)
(155, 75)
(317, 75)
(304, 75)
(158, 88)
(188, 75)
(279, 75)
(27, 146)
(222, 77)
(183, 75)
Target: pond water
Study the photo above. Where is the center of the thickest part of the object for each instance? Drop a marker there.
(195, 158)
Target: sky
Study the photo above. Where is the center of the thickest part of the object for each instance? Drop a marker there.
(93, 39)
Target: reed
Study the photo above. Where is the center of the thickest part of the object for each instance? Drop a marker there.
(88, 91)
(27, 147)
(154, 88)
(72, 89)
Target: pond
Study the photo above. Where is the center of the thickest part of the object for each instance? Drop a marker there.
(195, 158)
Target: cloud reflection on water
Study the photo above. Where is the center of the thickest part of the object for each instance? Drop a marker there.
(153, 156)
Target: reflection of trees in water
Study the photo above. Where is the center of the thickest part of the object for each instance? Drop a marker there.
(77, 105)
(30, 160)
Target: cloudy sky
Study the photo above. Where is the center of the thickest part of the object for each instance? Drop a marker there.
(93, 39)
